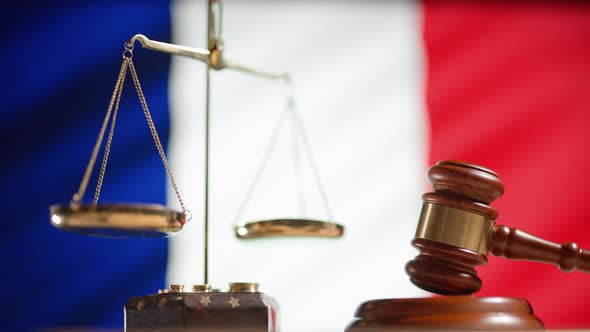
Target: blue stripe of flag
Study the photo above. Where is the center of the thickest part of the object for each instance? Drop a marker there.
(60, 63)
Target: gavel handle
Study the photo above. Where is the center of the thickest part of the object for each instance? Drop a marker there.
(515, 244)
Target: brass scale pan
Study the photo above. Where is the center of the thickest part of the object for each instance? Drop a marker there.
(117, 220)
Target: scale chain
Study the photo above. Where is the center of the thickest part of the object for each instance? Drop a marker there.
(155, 136)
(310, 156)
(107, 148)
(261, 167)
(299, 128)
(115, 101)
(77, 198)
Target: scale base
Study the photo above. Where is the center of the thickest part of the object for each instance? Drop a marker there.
(240, 309)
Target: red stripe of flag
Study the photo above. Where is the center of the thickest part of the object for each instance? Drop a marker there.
(508, 87)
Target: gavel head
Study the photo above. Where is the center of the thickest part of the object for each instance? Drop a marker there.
(454, 228)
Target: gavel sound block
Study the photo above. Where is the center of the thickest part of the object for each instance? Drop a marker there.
(455, 313)
(455, 233)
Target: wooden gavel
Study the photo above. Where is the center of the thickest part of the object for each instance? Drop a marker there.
(457, 230)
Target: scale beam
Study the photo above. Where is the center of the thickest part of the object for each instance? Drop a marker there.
(184, 51)
(214, 59)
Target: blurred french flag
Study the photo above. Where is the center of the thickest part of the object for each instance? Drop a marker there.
(384, 88)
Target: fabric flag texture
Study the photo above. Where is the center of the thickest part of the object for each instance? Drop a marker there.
(384, 89)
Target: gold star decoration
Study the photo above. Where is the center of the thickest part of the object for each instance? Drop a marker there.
(205, 300)
(162, 302)
(140, 305)
(234, 302)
